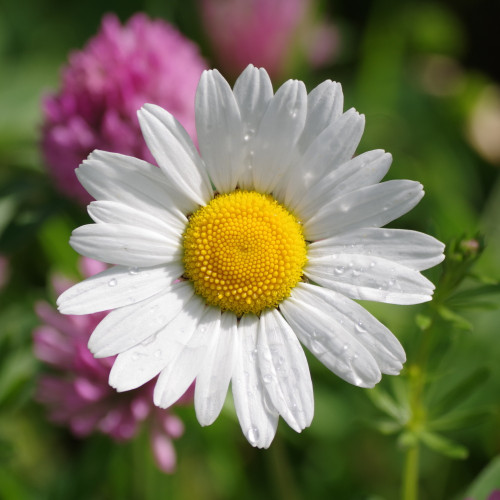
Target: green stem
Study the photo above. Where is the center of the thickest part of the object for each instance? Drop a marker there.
(410, 477)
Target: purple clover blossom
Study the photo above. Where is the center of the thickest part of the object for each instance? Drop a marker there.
(120, 69)
(77, 393)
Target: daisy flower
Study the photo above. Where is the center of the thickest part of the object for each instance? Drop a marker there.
(226, 262)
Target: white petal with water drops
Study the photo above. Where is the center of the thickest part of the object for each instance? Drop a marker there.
(418, 251)
(125, 245)
(355, 319)
(364, 277)
(278, 132)
(117, 287)
(219, 129)
(180, 372)
(135, 183)
(258, 419)
(175, 153)
(253, 92)
(144, 361)
(371, 206)
(284, 370)
(213, 379)
(129, 326)
(328, 340)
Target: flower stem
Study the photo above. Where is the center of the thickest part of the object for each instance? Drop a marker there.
(410, 477)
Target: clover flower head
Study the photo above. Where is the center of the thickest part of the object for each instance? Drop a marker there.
(104, 84)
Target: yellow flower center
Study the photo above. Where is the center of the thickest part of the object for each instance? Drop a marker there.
(244, 252)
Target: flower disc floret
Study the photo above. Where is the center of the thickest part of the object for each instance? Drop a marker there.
(244, 252)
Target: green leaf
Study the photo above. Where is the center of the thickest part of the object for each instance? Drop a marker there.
(408, 439)
(17, 369)
(443, 445)
(475, 297)
(459, 419)
(384, 402)
(387, 426)
(460, 392)
(457, 320)
(54, 237)
(487, 481)
(423, 321)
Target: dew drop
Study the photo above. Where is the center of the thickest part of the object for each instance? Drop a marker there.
(249, 134)
(133, 270)
(157, 353)
(360, 327)
(253, 435)
(338, 269)
(268, 378)
(112, 282)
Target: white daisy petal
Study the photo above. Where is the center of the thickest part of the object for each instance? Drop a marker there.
(278, 132)
(416, 250)
(125, 245)
(334, 146)
(213, 379)
(284, 370)
(133, 182)
(253, 91)
(175, 153)
(324, 105)
(363, 170)
(258, 419)
(131, 325)
(371, 206)
(365, 277)
(219, 129)
(114, 212)
(373, 335)
(117, 287)
(142, 362)
(328, 340)
(179, 373)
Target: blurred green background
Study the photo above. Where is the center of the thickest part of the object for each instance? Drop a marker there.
(426, 75)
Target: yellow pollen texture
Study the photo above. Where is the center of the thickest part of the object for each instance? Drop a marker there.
(244, 252)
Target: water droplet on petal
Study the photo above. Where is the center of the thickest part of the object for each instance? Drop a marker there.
(253, 435)
(338, 269)
(133, 270)
(157, 353)
(112, 282)
(268, 378)
(360, 327)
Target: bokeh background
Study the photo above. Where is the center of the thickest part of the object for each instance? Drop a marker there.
(427, 77)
